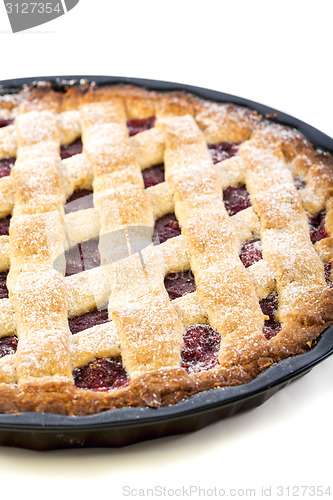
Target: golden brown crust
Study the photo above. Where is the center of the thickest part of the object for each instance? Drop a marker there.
(162, 388)
(243, 355)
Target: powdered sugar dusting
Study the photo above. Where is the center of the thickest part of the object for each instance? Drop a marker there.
(100, 341)
(8, 141)
(37, 291)
(36, 126)
(284, 228)
(148, 327)
(147, 330)
(69, 124)
(223, 287)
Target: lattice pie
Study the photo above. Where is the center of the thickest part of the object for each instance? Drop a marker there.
(153, 245)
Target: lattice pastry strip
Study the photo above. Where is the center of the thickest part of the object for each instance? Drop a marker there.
(223, 286)
(149, 329)
(83, 155)
(37, 291)
(36, 176)
(6, 196)
(91, 289)
(8, 373)
(36, 243)
(8, 142)
(285, 236)
(122, 204)
(85, 224)
(76, 171)
(149, 150)
(42, 328)
(7, 318)
(4, 253)
(87, 290)
(145, 328)
(100, 341)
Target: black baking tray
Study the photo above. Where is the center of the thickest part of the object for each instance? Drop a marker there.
(120, 427)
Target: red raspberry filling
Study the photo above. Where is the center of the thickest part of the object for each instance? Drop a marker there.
(102, 374)
(251, 252)
(86, 201)
(4, 122)
(317, 226)
(6, 166)
(269, 307)
(328, 271)
(166, 227)
(236, 199)
(200, 349)
(179, 284)
(88, 320)
(4, 226)
(72, 149)
(138, 125)
(153, 175)
(8, 345)
(222, 151)
(3, 286)
(82, 257)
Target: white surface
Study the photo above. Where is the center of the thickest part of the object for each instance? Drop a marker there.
(277, 53)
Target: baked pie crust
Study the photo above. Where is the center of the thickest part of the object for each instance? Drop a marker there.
(143, 307)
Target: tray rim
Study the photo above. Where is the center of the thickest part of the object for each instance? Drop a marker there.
(271, 380)
(163, 85)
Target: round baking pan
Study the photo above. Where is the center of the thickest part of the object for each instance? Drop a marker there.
(45, 431)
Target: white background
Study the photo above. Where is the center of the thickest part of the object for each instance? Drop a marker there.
(276, 53)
